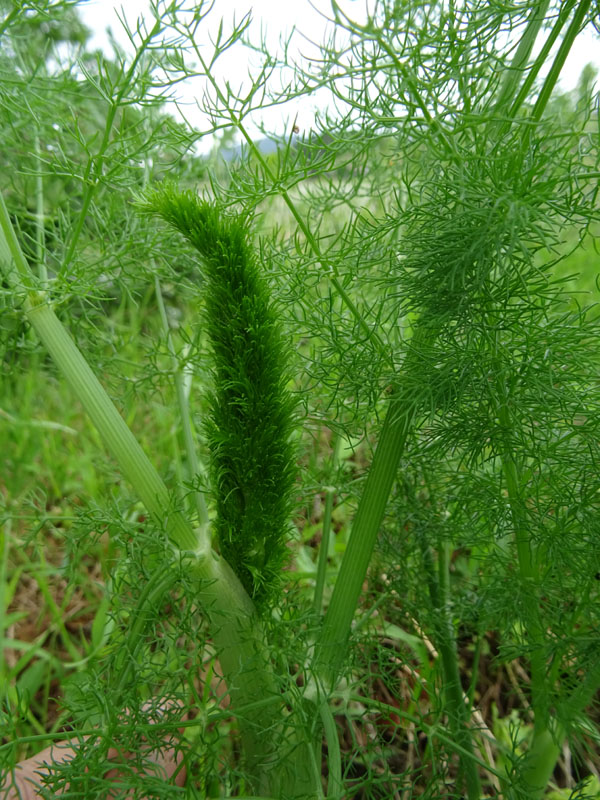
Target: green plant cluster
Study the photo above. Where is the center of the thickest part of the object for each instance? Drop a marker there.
(377, 329)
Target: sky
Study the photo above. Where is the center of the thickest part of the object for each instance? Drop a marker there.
(269, 18)
(275, 18)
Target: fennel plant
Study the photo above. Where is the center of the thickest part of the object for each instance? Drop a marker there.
(412, 243)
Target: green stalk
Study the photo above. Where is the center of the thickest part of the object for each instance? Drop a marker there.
(184, 414)
(539, 62)
(335, 786)
(236, 631)
(400, 417)
(539, 764)
(546, 745)
(445, 642)
(325, 533)
(540, 760)
(332, 643)
(512, 75)
(40, 239)
(11, 253)
(528, 571)
(118, 438)
(561, 57)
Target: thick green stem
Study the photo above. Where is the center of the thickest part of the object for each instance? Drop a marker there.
(11, 254)
(400, 417)
(539, 764)
(547, 742)
(236, 630)
(332, 644)
(120, 441)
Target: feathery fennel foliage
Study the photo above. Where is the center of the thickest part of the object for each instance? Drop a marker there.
(251, 418)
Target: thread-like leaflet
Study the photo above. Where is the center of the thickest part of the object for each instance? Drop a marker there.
(252, 412)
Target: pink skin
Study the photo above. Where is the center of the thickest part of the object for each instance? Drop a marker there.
(27, 775)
